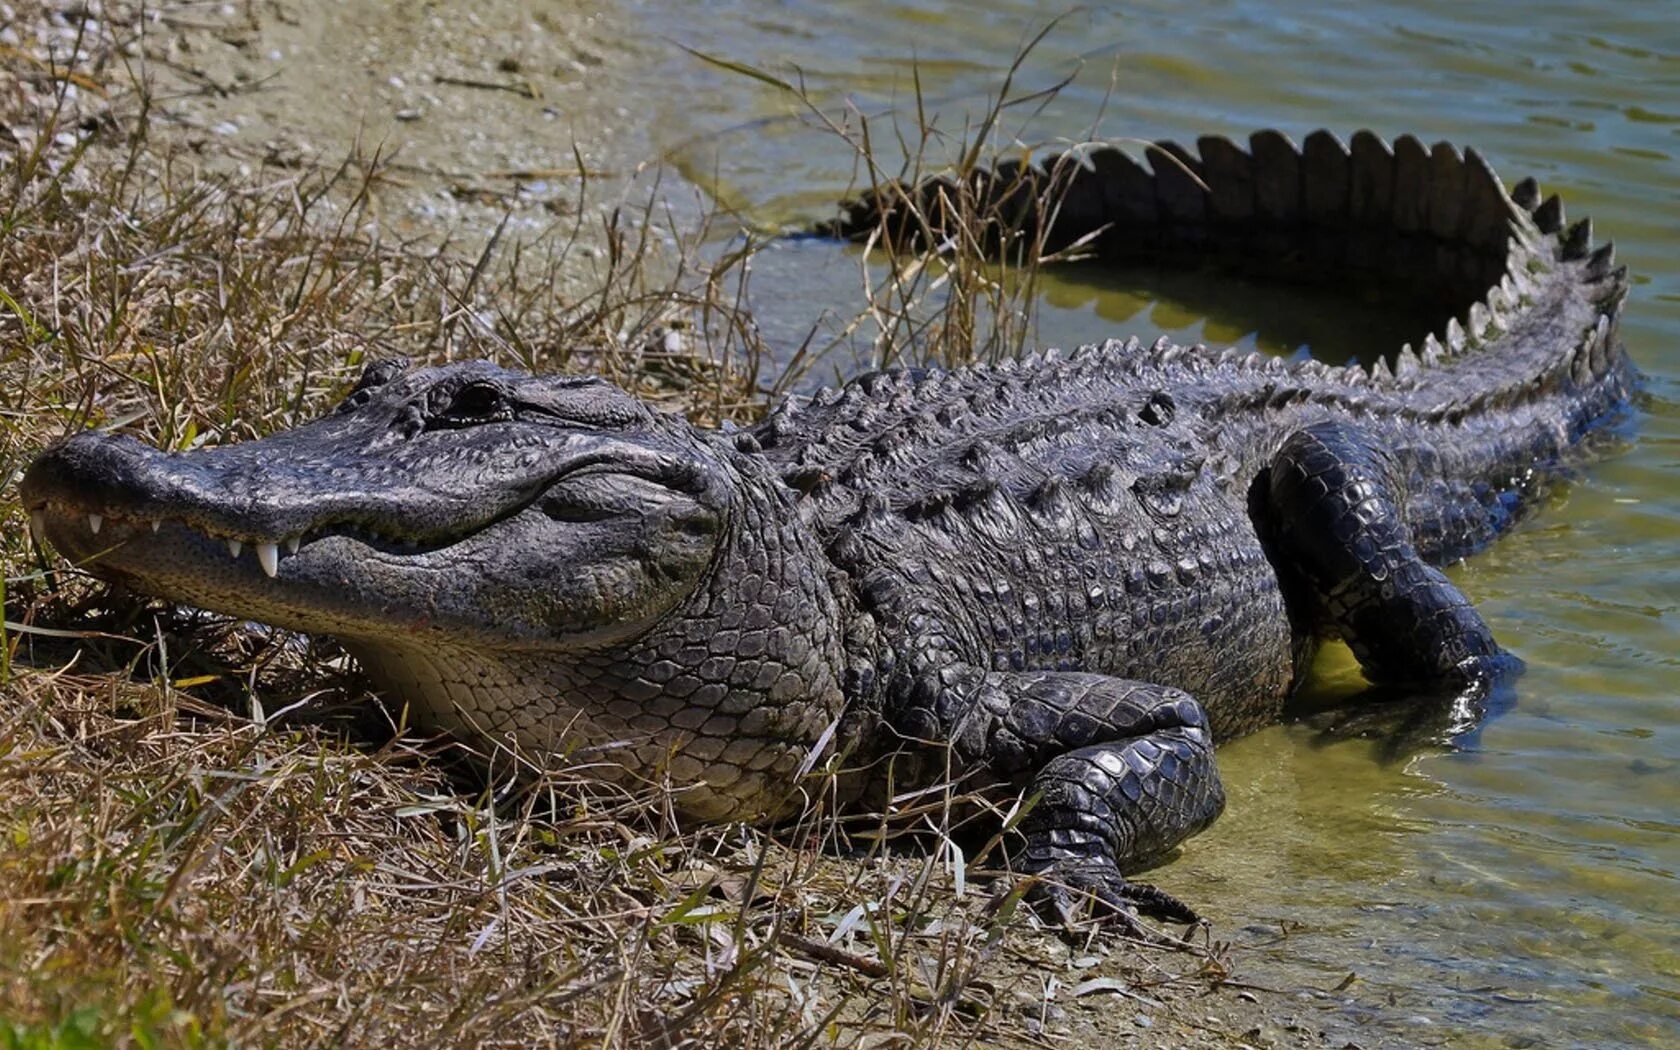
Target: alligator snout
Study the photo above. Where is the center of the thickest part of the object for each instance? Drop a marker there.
(96, 470)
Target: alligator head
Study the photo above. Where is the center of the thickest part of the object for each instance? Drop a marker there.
(464, 503)
(542, 563)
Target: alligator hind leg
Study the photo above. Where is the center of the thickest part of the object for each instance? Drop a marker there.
(1122, 772)
(1334, 523)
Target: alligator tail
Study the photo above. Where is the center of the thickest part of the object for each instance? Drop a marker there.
(1522, 304)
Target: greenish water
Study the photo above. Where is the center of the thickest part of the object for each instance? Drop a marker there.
(1520, 892)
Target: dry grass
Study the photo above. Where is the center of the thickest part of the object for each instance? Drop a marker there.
(212, 834)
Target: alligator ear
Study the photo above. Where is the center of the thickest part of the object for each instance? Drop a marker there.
(376, 374)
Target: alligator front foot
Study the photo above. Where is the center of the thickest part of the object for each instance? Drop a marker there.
(1116, 772)
(1071, 890)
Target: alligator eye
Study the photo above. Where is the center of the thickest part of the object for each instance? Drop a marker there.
(476, 401)
(468, 404)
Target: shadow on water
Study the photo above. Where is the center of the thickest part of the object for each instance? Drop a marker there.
(807, 283)
(1222, 309)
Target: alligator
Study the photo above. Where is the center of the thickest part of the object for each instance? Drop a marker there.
(1060, 580)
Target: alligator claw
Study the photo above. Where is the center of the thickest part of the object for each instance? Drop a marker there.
(1067, 887)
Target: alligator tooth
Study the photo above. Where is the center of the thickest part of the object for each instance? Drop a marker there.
(1406, 362)
(1499, 308)
(1522, 284)
(1431, 355)
(1478, 318)
(268, 556)
(157, 523)
(1455, 335)
(292, 544)
(235, 546)
(37, 527)
(94, 521)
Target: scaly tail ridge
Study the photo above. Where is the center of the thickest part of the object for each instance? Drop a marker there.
(1526, 305)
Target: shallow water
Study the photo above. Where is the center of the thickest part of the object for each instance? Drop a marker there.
(1521, 891)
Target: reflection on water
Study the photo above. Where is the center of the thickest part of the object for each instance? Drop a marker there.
(1521, 893)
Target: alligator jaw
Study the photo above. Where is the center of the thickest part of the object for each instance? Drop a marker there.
(116, 504)
(316, 579)
(110, 530)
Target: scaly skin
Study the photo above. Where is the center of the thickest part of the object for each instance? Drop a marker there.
(1069, 575)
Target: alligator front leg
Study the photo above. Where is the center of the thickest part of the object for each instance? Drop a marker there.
(1334, 521)
(1121, 771)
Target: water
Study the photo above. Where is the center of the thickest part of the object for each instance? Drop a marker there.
(1520, 893)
